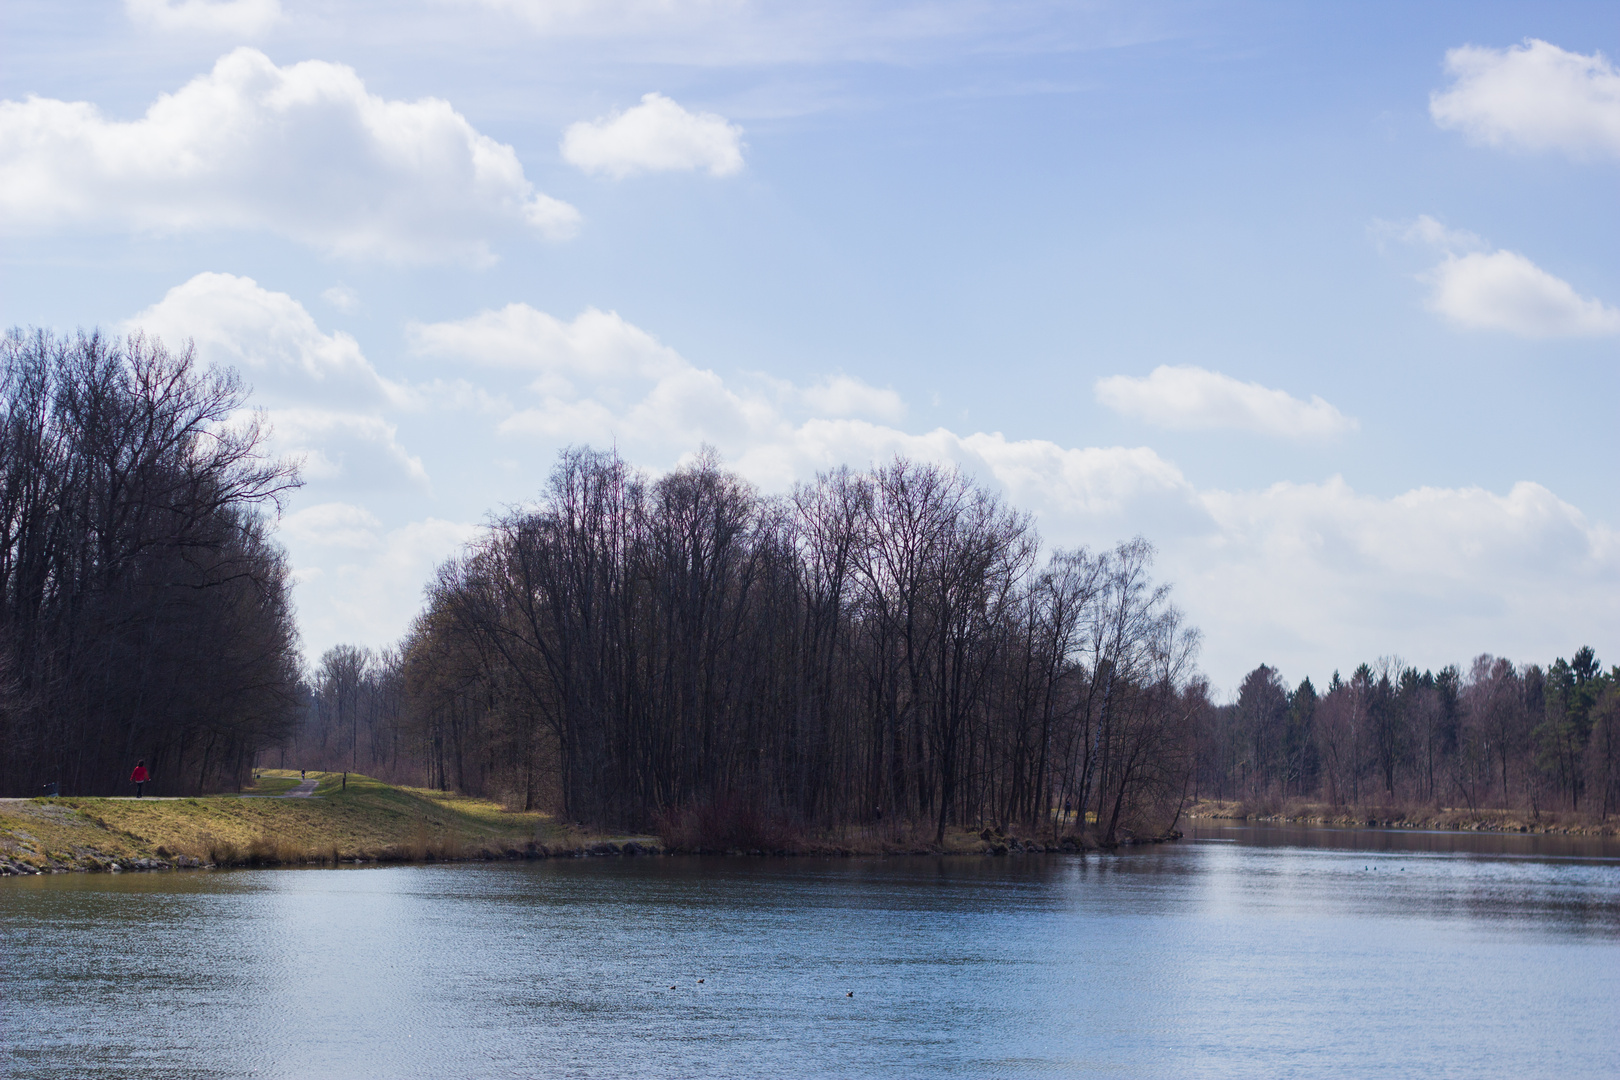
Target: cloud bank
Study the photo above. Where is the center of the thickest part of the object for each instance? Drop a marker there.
(302, 151)
(1533, 96)
(1191, 399)
(655, 136)
(1305, 576)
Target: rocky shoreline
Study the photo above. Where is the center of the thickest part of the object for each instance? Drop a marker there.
(90, 860)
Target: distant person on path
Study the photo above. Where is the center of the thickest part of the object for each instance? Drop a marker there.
(139, 777)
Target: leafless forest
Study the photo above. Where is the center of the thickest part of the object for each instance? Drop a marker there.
(682, 652)
(143, 608)
(876, 646)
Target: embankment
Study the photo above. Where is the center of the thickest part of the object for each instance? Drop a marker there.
(1406, 817)
(368, 821)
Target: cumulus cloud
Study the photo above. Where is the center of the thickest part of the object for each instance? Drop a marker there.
(1477, 288)
(237, 18)
(598, 378)
(325, 401)
(1503, 290)
(655, 136)
(843, 395)
(1193, 399)
(272, 339)
(302, 151)
(1533, 96)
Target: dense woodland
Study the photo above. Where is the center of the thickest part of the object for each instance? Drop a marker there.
(144, 609)
(1498, 735)
(878, 646)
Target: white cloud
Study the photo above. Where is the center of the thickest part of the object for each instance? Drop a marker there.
(1481, 289)
(360, 450)
(1190, 398)
(1534, 96)
(842, 395)
(333, 524)
(325, 401)
(1503, 290)
(272, 340)
(1426, 230)
(237, 18)
(655, 136)
(303, 151)
(341, 297)
(519, 336)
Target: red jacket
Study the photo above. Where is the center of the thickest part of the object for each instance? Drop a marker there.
(139, 775)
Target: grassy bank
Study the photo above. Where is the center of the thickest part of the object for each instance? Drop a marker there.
(370, 821)
(1406, 817)
(366, 821)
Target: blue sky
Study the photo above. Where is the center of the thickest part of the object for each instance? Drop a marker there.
(1321, 299)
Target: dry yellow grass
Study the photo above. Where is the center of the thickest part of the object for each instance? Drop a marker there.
(368, 820)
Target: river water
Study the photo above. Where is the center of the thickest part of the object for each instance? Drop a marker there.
(1238, 952)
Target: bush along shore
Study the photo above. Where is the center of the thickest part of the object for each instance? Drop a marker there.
(1407, 817)
(362, 820)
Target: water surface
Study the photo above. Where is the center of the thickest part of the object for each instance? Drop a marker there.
(1244, 951)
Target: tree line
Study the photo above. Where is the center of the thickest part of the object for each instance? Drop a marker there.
(144, 608)
(1500, 735)
(877, 646)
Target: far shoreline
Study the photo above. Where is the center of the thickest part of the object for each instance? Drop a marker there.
(1430, 818)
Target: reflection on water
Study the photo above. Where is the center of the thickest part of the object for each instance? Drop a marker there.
(1287, 952)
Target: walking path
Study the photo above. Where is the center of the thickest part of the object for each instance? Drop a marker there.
(305, 790)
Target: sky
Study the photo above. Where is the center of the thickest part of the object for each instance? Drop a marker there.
(1322, 299)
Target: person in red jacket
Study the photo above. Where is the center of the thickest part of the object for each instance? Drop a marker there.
(139, 776)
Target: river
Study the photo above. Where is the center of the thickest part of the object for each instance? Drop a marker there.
(1237, 952)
